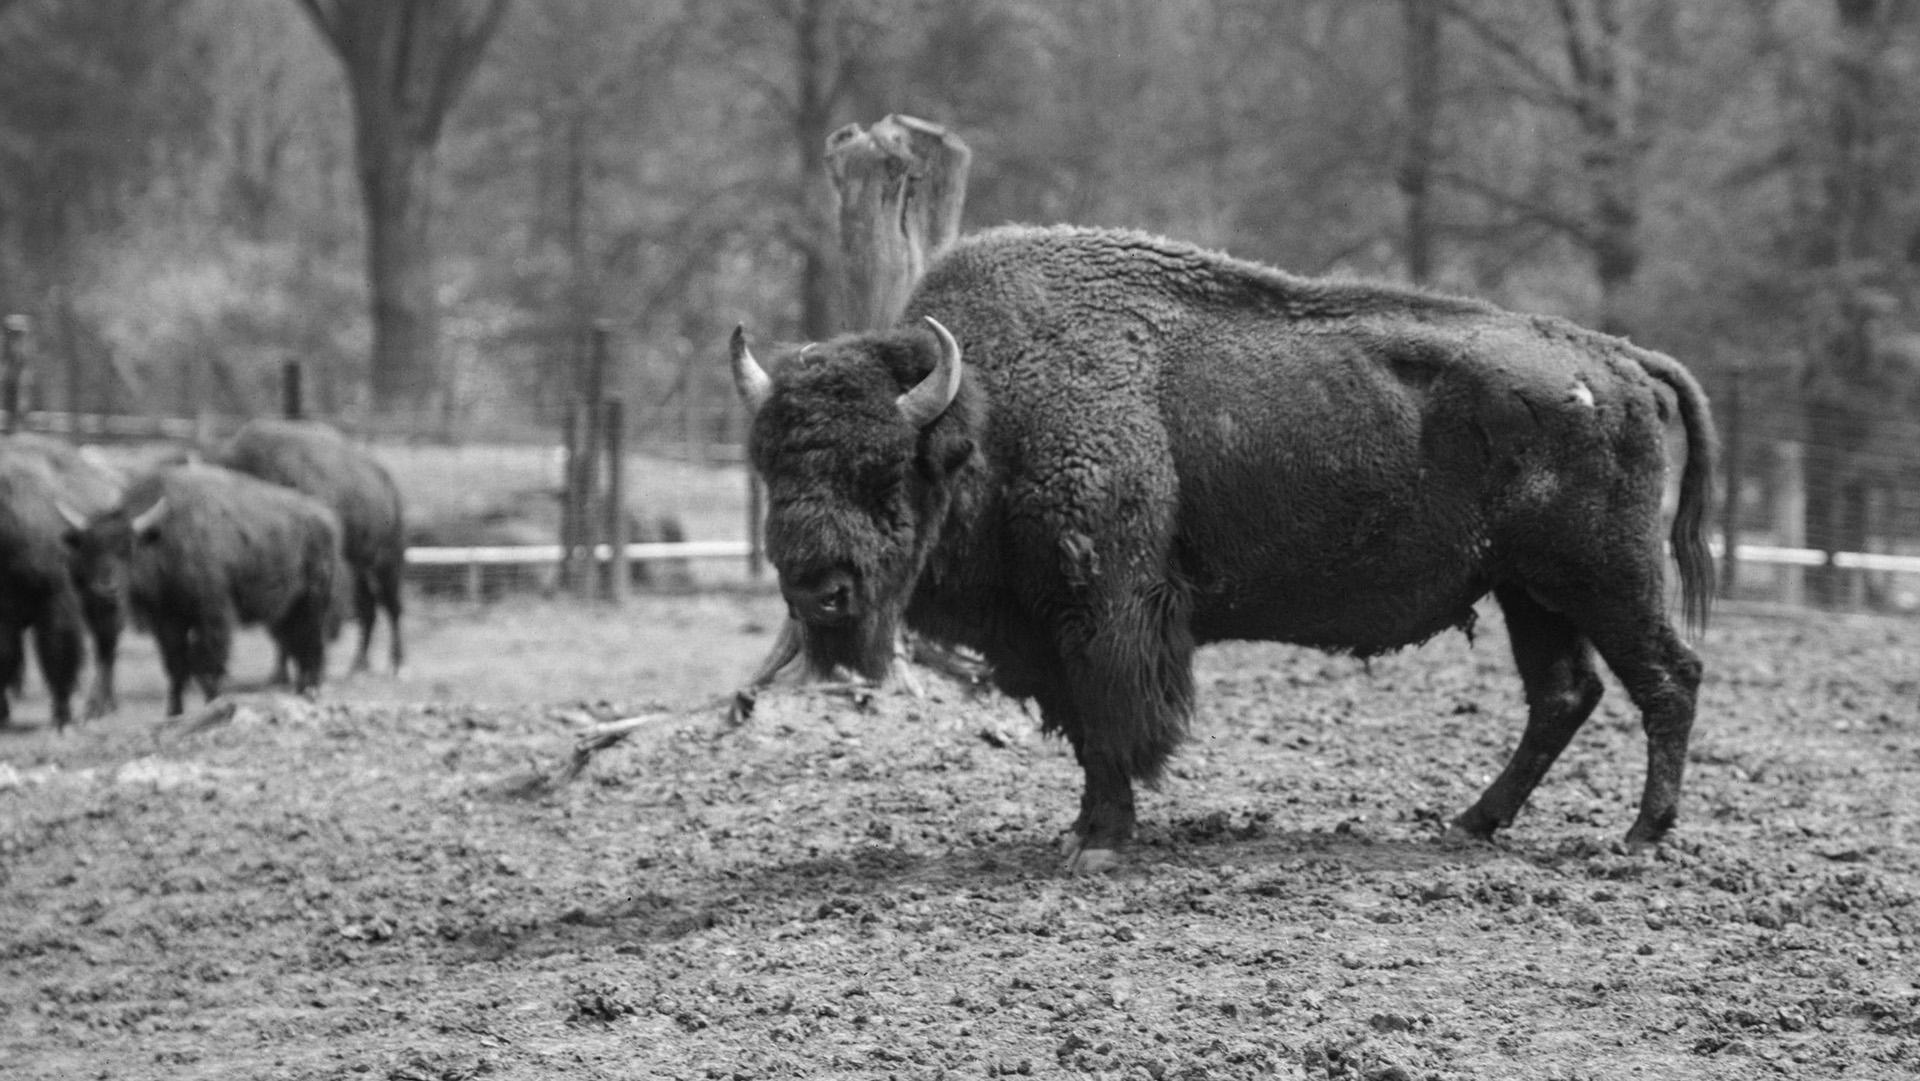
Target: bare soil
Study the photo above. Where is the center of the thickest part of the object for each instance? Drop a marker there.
(364, 886)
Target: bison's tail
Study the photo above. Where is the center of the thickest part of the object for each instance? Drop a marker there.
(1688, 534)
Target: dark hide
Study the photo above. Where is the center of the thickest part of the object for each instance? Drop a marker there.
(314, 458)
(1154, 447)
(44, 587)
(208, 549)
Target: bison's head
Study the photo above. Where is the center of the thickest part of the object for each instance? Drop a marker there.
(859, 440)
(100, 548)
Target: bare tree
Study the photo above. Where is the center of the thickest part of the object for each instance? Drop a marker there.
(406, 62)
(1854, 248)
(1599, 89)
(1415, 175)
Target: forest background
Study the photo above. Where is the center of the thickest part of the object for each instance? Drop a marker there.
(426, 202)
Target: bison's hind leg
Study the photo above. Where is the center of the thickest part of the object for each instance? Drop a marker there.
(1562, 687)
(376, 589)
(366, 612)
(302, 635)
(12, 656)
(1662, 676)
(387, 585)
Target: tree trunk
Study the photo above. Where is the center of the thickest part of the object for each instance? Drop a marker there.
(1606, 104)
(406, 63)
(1844, 242)
(396, 188)
(819, 78)
(1422, 19)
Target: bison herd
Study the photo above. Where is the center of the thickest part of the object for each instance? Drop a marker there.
(287, 526)
(1083, 454)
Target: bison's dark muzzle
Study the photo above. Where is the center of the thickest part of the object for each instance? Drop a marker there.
(825, 600)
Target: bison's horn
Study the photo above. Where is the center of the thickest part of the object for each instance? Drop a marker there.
(749, 378)
(150, 517)
(925, 402)
(74, 518)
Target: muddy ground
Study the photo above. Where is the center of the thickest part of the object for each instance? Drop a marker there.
(364, 887)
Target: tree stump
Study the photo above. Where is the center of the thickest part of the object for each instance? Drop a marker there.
(901, 185)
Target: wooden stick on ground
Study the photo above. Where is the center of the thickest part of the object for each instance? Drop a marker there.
(589, 742)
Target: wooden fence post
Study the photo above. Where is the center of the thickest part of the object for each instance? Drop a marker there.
(1790, 515)
(569, 495)
(13, 370)
(580, 527)
(1730, 501)
(291, 391)
(756, 524)
(586, 427)
(616, 525)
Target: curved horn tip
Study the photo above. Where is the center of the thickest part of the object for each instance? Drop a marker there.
(150, 517)
(75, 520)
(749, 378)
(930, 398)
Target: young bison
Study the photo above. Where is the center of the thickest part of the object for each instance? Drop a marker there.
(207, 549)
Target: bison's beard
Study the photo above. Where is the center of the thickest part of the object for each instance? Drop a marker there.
(863, 648)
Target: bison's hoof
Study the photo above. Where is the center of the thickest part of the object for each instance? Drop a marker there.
(1092, 861)
(1459, 835)
(1635, 845)
(1084, 860)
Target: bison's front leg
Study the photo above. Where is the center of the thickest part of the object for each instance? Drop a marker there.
(1106, 818)
(1129, 693)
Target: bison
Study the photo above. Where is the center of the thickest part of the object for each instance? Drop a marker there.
(1086, 452)
(314, 458)
(46, 490)
(206, 549)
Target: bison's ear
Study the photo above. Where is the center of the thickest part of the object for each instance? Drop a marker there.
(945, 457)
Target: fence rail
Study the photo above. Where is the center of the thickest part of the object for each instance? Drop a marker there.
(1815, 557)
(439, 564)
(495, 555)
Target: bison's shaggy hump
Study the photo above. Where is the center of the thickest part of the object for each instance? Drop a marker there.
(1152, 446)
(1013, 256)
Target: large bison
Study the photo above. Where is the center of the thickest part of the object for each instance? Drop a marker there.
(46, 489)
(1126, 447)
(206, 549)
(314, 458)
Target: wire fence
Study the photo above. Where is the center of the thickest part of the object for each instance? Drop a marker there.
(485, 509)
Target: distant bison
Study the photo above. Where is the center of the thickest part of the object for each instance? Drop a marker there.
(1127, 447)
(311, 457)
(46, 490)
(207, 549)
